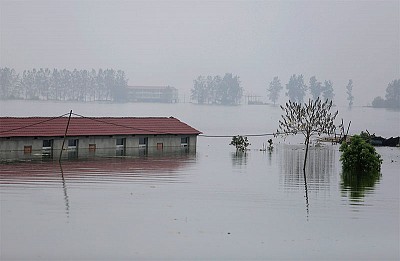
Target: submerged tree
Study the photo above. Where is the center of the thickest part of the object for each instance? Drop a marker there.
(361, 165)
(312, 118)
(349, 92)
(241, 143)
(274, 88)
(359, 157)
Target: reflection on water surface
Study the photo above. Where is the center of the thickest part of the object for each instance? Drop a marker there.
(212, 204)
(321, 166)
(163, 167)
(356, 186)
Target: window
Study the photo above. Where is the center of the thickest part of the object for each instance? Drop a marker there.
(47, 149)
(47, 144)
(73, 143)
(143, 141)
(120, 143)
(92, 147)
(185, 141)
(27, 149)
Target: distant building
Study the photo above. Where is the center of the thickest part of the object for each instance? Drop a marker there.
(165, 94)
(21, 137)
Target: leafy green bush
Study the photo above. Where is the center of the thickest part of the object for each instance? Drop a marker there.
(241, 143)
(359, 157)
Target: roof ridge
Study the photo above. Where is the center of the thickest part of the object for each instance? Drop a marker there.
(103, 117)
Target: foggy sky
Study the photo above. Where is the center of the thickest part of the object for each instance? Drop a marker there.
(173, 42)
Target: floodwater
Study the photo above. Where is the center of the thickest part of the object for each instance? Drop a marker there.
(208, 204)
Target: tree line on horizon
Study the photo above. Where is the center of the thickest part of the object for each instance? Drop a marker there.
(228, 90)
(392, 96)
(297, 89)
(225, 90)
(111, 85)
(63, 84)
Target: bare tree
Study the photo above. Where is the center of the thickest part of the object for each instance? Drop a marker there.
(312, 118)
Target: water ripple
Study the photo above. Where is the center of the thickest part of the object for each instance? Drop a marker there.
(98, 170)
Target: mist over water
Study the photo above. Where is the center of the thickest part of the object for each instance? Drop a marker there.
(173, 42)
(210, 204)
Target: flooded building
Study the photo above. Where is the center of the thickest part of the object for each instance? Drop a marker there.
(164, 94)
(25, 136)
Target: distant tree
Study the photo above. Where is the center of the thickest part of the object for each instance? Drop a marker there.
(312, 118)
(315, 88)
(230, 89)
(349, 92)
(393, 94)
(328, 90)
(42, 81)
(31, 85)
(379, 102)
(274, 89)
(8, 83)
(217, 90)
(241, 143)
(76, 85)
(199, 91)
(119, 90)
(296, 89)
(214, 85)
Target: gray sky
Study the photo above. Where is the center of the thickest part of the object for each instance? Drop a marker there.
(172, 42)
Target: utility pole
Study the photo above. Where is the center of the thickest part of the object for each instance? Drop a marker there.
(65, 136)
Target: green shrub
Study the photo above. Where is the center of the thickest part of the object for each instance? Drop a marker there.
(241, 143)
(359, 157)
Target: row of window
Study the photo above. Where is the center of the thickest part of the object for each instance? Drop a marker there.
(48, 144)
(119, 142)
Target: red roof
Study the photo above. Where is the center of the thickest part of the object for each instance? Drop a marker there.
(91, 126)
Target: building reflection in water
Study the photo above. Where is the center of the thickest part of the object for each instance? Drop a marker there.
(321, 166)
(166, 166)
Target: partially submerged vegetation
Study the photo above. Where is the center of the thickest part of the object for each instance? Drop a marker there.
(312, 118)
(240, 142)
(361, 166)
(359, 157)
